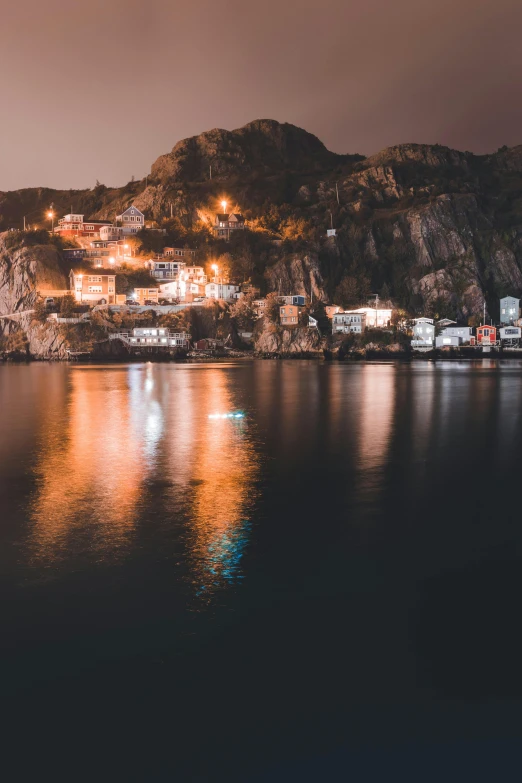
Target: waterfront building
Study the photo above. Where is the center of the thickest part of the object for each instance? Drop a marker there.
(510, 333)
(153, 338)
(509, 310)
(226, 224)
(448, 341)
(93, 287)
(486, 334)
(423, 333)
(131, 221)
(464, 332)
(348, 322)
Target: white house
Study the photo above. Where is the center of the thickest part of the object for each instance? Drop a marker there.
(153, 337)
(423, 333)
(510, 333)
(376, 318)
(132, 220)
(350, 321)
(111, 233)
(448, 341)
(225, 291)
(464, 332)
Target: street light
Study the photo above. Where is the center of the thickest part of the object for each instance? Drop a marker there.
(111, 260)
(224, 205)
(214, 268)
(50, 215)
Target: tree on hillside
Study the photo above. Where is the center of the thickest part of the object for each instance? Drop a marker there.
(243, 314)
(271, 309)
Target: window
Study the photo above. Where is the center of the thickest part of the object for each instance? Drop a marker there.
(95, 289)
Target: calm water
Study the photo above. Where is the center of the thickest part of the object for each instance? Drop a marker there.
(327, 589)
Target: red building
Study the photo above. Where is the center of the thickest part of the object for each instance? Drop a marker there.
(486, 334)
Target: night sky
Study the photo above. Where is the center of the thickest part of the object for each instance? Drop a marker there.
(98, 90)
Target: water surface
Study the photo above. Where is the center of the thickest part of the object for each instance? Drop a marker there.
(333, 578)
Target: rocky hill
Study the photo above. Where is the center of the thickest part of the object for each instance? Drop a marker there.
(435, 229)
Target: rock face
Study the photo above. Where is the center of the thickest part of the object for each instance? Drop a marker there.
(272, 339)
(297, 274)
(263, 145)
(439, 229)
(24, 270)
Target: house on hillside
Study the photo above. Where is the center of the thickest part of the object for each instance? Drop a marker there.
(226, 224)
(162, 269)
(178, 251)
(227, 291)
(289, 314)
(131, 221)
(74, 225)
(111, 233)
(349, 321)
(93, 287)
(509, 310)
(146, 295)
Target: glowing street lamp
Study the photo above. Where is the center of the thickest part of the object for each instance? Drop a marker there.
(111, 260)
(50, 215)
(214, 268)
(224, 205)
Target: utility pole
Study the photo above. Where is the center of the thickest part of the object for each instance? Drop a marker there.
(337, 193)
(24, 223)
(210, 171)
(171, 210)
(484, 321)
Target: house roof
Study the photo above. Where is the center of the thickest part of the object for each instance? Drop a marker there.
(93, 272)
(132, 210)
(223, 217)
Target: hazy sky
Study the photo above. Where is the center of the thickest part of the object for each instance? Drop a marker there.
(98, 90)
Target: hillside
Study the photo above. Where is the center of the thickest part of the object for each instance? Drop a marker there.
(435, 229)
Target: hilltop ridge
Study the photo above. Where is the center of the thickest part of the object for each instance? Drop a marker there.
(437, 230)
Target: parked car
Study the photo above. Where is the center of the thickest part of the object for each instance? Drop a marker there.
(149, 302)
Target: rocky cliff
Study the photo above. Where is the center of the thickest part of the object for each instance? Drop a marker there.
(26, 269)
(270, 338)
(437, 230)
(265, 146)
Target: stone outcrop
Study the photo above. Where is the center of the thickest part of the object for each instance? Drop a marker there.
(26, 269)
(297, 274)
(262, 145)
(271, 338)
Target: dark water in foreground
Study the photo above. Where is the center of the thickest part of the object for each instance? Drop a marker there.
(329, 589)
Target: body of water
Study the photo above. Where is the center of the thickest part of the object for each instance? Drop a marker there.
(327, 586)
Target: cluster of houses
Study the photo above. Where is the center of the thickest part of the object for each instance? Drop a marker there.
(448, 334)
(181, 281)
